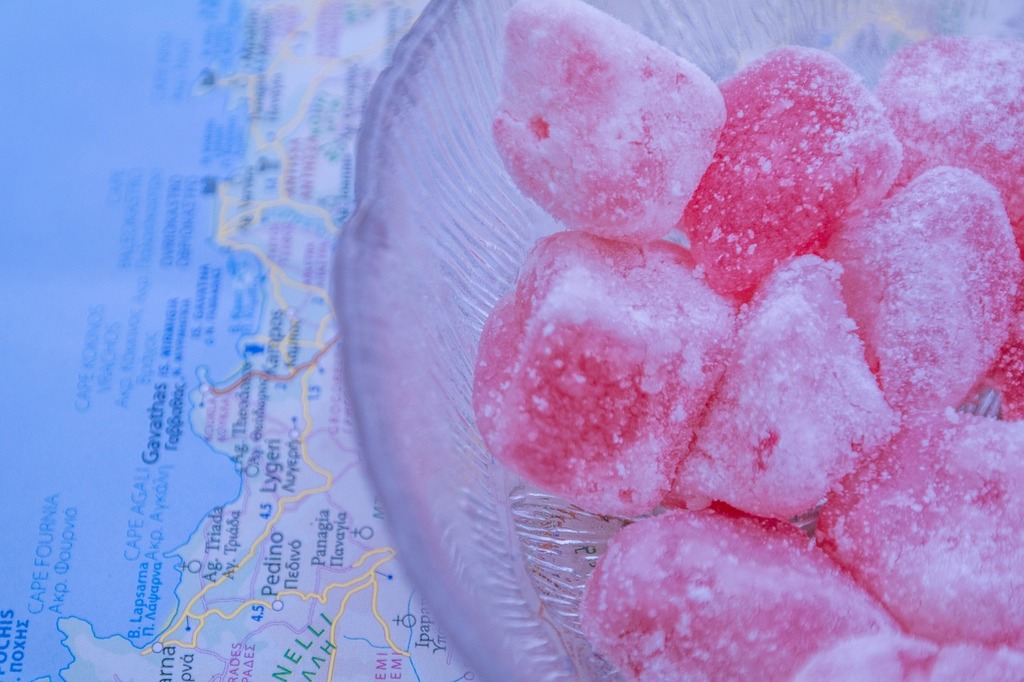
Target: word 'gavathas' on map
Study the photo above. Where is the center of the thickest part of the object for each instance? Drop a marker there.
(195, 508)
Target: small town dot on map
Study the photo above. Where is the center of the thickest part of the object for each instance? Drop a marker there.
(277, 605)
(157, 647)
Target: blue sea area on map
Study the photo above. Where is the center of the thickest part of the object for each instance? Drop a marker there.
(113, 295)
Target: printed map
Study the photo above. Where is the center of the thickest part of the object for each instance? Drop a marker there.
(181, 496)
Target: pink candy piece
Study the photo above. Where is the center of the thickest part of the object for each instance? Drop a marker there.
(1008, 378)
(897, 658)
(930, 277)
(804, 146)
(797, 405)
(1007, 372)
(935, 529)
(964, 662)
(957, 102)
(604, 128)
(686, 596)
(889, 657)
(592, 373)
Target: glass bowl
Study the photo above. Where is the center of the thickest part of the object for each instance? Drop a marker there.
(437, 239)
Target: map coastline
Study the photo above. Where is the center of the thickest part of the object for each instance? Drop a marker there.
(209, 518)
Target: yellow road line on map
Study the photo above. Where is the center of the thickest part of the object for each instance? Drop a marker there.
(367, 578)
(286, 129)
(375, 586)
(301, 367)
(326, 324)
(289, 127)
(255, 214)
(272, 268)
(224, 239)
(383, 623)
(321, 597)
(282, 188)
(318, 343)
(306, 25)
(279, 278)
(306, 343)
(187, 612)
(271, 522)
(242, 562)
(308, 428)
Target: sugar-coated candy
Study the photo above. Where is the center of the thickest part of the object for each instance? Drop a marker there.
(960, 662)
(704, 596)
(804, 146)
(602, 127)
(797, 405)
(958, 101)
(934, 528)
(899, 658)
(590, 375)
(889, 657)
(930, 277)
(1006, 375)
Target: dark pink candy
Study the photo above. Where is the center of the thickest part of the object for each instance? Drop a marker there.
(1007, 372)
(804, 146)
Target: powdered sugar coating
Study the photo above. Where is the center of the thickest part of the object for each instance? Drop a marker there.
(602, 127)
(890, 657)
(957, 101)
(898, 658)
(933, 528)
(1007, 372)
(961, 662)
(930, 277)
(797, 405)
(686, 596)
(590, 375)
(805, 144)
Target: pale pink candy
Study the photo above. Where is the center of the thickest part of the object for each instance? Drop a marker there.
(958, 102)
(703, 596)
(804, 146)
(898, 658)
(930, 277)
(591, 374)
(604, 128)
(962, 662)
(889, 657)
(935, 529)
(797, 406)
